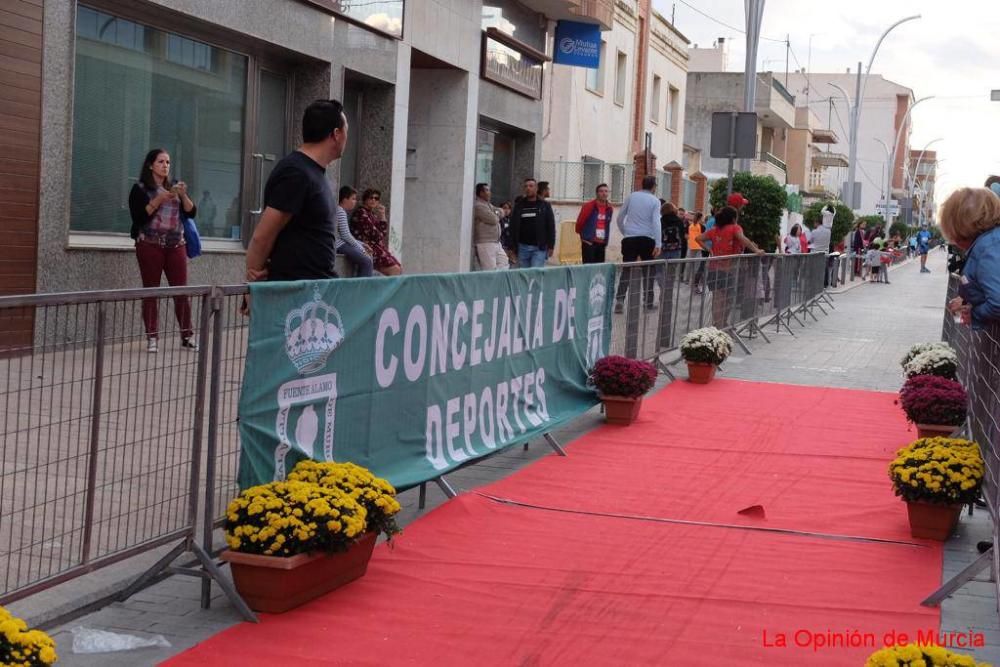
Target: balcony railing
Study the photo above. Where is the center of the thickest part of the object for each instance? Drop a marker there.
(817, 182)
(830, 159)
(770, 165)
(773, 159)
(782, 91)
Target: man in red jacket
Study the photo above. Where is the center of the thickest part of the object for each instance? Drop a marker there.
(594, 226)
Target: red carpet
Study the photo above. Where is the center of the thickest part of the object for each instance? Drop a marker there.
(486, 583)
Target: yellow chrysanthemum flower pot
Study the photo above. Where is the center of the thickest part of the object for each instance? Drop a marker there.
(276, 584)
(933, 522)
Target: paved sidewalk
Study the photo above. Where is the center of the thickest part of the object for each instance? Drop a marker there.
(858, 345)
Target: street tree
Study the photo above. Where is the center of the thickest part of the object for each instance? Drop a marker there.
(761, 218)
(842, 221)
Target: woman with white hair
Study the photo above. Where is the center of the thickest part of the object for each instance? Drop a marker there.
(970, 219)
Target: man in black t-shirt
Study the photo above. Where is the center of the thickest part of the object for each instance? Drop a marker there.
(295, 238)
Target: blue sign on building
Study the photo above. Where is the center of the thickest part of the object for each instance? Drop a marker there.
(578, 44)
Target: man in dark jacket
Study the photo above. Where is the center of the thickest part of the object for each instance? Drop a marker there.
(594, 226)
(858, 247)
(533, 228)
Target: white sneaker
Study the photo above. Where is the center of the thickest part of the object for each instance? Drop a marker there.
(188, 343)
(151, 346)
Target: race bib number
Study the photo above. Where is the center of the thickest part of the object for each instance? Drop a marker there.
(601, 234)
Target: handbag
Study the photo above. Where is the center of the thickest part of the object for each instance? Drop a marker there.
(192, 240)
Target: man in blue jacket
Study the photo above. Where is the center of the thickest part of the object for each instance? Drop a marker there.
(594, 226)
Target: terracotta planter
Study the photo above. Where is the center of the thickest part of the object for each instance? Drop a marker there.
(933, 522)
(934, 430)
(275, 584)
(700, 372)
(621, 410)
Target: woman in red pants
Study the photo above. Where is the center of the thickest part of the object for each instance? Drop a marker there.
(156, 205)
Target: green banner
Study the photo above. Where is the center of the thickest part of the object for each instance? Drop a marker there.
(416, 375)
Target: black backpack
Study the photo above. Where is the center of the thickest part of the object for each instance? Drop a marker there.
(671, 237)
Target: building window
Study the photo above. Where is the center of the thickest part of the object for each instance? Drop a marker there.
(382, 15)
(595, 77)
(654, 100)
(673, 107)
(513, 19)
(621, 78)
(138, 88)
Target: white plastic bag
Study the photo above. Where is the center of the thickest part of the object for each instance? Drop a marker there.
(88, 640)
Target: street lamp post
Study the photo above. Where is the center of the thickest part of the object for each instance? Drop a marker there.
(916, 174)
(892, 154)
(886, 175)
(856, 115)
(920, 158)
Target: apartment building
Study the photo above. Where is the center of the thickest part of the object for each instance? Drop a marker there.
(431, 87)
(711, 92)
(884, 117)
(808, 157)
(597, 120)
(922, 179)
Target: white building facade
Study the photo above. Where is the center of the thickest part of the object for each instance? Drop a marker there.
(597, 120)
(883, 113)
(438, 94)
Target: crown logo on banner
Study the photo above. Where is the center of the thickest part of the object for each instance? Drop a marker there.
(598, 294)
(312, 333)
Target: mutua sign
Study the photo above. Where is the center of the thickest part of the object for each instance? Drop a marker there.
(578, 44)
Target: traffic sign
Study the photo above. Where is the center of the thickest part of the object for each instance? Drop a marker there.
(893, 207)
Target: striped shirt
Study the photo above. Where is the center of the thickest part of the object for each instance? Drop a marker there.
(343, 231)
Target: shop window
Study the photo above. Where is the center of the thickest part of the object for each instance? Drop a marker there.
(138, 87)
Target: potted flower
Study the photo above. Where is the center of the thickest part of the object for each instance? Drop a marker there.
(939, 361)
(920, 654)
(920, 348)
(935, 404)
(621, 383)
(704, 350)
(292, 541)
(21, 646)
(936, 477)
(375, 494)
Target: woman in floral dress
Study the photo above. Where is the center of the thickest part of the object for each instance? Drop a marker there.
(370, 225)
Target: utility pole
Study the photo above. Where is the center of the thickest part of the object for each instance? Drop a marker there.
(673, 14)
(788, 48)
(852, 157)
(754, 17)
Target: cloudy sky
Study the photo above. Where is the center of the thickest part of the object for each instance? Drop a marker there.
(952, 53)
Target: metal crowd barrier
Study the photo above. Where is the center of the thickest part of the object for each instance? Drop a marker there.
(658, 302)
(979, 372)
(104, 444)
(109, 451)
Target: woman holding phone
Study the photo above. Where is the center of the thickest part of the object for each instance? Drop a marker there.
(157, 205)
